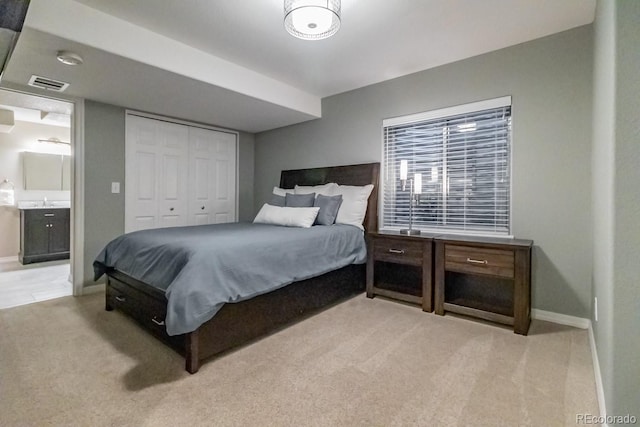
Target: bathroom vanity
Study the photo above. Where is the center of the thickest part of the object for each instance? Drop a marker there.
(44, 234)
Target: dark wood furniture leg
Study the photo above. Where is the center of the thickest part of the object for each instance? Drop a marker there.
(427, 293)
(439, 279)
(370, 265)
(192, 352)
(522, 293)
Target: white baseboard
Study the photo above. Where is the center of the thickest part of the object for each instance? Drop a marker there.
(9, 259)
(561, 319)
(579, 322)
(88, 290)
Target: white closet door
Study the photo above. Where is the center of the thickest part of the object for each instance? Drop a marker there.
(172, 174)
(141, 189)
(212, 168)
(155, 174)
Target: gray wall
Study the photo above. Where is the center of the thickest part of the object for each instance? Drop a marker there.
(550, 83)
(616, 156)
(245, 176)
(626, 255)
(103, 164)
(104, 135)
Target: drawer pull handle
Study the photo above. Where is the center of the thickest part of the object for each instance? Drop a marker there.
(49, 214)
(477, 261)
(157, 322)
(396, 251)
(120, 299)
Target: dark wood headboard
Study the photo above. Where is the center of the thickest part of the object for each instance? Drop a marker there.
(362, 174)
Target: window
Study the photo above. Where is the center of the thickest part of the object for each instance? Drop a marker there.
(462, 155)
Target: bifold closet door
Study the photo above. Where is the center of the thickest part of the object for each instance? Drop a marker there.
(212, 176)
(156, 174)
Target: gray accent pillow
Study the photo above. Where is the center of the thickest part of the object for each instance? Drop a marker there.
(329, 206)
(299, 200)
(276, 200)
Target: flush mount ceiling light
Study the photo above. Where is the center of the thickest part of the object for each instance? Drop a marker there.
(69, 58)
(312, 19)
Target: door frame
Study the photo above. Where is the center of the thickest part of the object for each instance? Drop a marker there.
(77, 198)
(76, 257)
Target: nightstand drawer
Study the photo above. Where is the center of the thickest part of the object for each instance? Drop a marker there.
(493, 262)
(400, 251)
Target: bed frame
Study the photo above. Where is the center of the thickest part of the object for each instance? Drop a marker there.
(239, 323)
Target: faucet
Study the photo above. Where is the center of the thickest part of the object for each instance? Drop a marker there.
(44, 202)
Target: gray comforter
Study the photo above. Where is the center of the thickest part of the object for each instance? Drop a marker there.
(201, 268)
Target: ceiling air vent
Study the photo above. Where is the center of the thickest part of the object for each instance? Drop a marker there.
(48, 84)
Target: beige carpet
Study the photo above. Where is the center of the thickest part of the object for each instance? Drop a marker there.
(67, 362)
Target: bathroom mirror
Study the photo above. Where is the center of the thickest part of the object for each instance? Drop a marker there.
(46, 172)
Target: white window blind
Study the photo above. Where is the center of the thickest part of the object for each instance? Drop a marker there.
(463, 155)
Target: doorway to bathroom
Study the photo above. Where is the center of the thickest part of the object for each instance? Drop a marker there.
(36, 179)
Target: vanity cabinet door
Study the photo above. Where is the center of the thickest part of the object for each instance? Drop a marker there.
(36, 233)
(59, 232)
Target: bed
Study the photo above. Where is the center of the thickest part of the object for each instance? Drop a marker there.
(240, 322)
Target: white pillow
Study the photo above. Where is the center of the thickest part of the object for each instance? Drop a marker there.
(354, 204)
(289, 217)
(282, 191)
(329, 189)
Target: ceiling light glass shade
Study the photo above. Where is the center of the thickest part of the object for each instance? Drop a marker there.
(312, 19)
(69, 58)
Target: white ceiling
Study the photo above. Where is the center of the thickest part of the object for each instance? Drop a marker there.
(38, 116)
(232, 63)
(36, 109)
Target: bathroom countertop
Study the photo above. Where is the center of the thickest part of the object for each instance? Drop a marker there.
(54, 204)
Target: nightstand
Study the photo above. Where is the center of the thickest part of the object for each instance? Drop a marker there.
(399, 267)
(488, 278)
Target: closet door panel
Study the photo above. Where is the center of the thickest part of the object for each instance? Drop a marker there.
(141, 178)
(174, 136)
(172, 203)
(210, 177)
(222, 218)
(145, 187)
(201, 177)
(222, 180)
(224, 206)
(173, 175)
(200, 199)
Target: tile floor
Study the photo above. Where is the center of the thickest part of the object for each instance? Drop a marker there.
(26, 284)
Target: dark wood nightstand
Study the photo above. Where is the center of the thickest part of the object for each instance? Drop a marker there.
(488, 278)
(400, 267)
